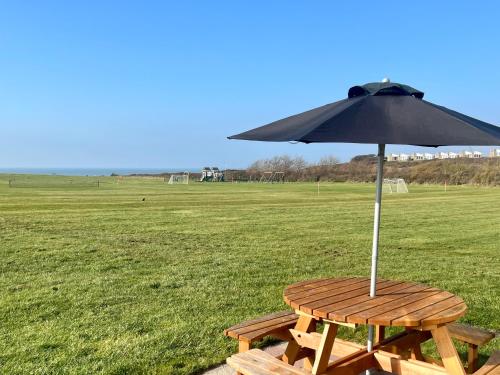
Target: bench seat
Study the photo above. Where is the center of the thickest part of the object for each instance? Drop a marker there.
(276, 325)
(473, 337)
(469, 334)
(492, 366)
(258, 362)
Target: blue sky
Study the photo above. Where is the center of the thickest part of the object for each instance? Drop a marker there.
(161, 84)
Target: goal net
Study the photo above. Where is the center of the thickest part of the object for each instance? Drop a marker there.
(395, 185)
(179, 179)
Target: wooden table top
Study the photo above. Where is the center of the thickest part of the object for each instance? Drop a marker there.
(397, 303)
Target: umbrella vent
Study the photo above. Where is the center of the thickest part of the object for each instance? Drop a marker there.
(384, 88)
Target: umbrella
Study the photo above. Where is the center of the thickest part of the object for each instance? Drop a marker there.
(379, 113)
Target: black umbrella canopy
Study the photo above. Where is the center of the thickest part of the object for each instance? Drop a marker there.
(381, 113)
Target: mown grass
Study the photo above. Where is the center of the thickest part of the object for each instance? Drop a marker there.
(98, 280)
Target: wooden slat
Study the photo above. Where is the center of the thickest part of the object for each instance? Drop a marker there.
(230, 331)
(342, 348)
(470, 335)
(273, 362)
(352, 365)
(346, 313)
(257, 334)
(449, 315)
(492, 365)
(305, 282)
(322, 293)
(323, 311)
(396, 365)
(331, 286)
(265, 324)
(321, 305)
(416, 318)
(312, 340)
(390, 311)
(404, 341)
(377, 315)
(257, 362)
(244, 368)
(293, 289)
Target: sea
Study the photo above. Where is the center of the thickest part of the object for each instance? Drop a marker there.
(95, 171)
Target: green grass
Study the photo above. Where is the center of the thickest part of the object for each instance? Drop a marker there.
(96, 280)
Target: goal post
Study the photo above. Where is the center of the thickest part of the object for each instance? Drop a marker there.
(179, 179)
(394, 185)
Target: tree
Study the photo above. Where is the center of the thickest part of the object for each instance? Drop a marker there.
(328, 161)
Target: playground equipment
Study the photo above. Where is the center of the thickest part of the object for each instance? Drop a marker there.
(213, 174)
(273, 177)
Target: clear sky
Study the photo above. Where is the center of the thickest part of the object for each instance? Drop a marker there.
(161, 84)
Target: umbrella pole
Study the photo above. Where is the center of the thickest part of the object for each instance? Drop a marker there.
(376, 226)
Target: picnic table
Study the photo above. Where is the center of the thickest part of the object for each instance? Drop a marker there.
(422, 310)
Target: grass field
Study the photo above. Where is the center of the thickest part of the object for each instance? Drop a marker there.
(98, 280)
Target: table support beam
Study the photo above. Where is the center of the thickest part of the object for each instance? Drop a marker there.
(304, 324)
(325, 348)
(446, 349)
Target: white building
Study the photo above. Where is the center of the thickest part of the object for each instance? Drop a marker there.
(452, 155)
(466, 154)
(441, 155)
(495, 153)
(404, 157)
(417, 156)
(428, 156)
(393, 157)
(477, 154)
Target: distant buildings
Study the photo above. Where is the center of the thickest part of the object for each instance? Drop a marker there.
(404, 157)
(494, 153)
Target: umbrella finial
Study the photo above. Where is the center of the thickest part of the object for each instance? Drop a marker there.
(386, 80)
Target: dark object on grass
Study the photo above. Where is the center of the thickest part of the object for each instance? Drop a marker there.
(143, 199)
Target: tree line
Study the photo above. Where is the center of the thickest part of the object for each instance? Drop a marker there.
(362, 168)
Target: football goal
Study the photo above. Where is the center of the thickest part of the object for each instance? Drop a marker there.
(394, 185)
(179, 179)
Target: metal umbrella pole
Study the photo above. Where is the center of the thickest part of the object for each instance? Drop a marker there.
(376, 227)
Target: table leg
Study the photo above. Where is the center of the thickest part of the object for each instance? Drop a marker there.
(446, 349)
(472, 355)
(416, 353)
(304, 324)
(379, 333)
(325, 348)
(309, 361)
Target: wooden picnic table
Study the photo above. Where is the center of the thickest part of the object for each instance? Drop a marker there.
(419, 308)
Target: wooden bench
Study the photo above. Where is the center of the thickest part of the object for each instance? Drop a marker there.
(473, 337)
(492, 366)
(257, 362)
(276, 325)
